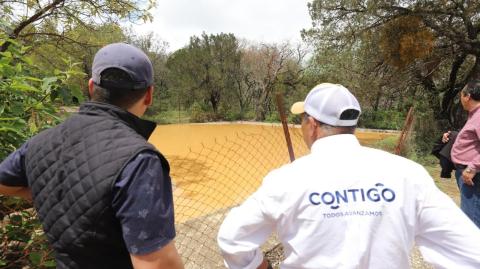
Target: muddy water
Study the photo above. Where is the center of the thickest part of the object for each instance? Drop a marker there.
(216, 166)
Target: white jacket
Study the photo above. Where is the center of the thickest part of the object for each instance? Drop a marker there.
(349, 206)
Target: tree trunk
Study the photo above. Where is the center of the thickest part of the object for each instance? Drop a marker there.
(262, 104)
(260, 113)
(214, 100)
(454, 111)
(475, 72)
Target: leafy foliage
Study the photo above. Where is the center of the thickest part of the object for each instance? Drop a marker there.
(432, 45)
(404, 40)
(206, 69)
(29, 101)
(233, 79)
(383, 119)
(49, 55)
(21, 238)
(29, 19)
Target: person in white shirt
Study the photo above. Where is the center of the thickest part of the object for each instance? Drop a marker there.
(345, 205)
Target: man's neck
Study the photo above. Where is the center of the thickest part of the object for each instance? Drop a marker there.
(137, 109)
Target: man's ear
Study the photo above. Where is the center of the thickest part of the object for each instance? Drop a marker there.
(315, 131)
(90, 88)
(148, 96)
(312, 122)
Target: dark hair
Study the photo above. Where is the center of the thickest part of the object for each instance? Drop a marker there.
(123, 97)
(331, 130)
(473, 89)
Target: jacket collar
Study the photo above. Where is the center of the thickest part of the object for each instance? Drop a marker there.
(143, 127)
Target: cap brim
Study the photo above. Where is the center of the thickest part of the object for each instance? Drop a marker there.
(297, 108)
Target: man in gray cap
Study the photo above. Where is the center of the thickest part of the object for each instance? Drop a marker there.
(345, 205)
(102, 192)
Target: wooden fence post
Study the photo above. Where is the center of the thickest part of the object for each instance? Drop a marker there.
(406, 129)
(283, 118)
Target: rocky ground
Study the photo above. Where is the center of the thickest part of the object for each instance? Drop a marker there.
(275, 256)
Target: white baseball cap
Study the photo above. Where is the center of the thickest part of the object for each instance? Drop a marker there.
(331, 104)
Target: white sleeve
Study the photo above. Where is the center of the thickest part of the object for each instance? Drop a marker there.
(242, 233)
(446, 237)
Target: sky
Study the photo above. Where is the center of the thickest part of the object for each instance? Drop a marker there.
(175, 21)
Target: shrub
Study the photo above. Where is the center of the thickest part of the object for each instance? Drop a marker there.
(382, 119)
(272, 117)
(233, 116)
(426, 132)
(169, 117)
(28, 97)
(199, 113)
(28, 104)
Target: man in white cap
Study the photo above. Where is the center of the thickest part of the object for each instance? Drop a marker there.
(345, 205)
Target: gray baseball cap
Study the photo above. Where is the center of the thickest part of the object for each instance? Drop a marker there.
(125, 57)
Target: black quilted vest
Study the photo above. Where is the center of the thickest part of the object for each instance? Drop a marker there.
(72, 169)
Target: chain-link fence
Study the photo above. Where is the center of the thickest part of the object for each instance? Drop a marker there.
(210, 181)
(214, 177)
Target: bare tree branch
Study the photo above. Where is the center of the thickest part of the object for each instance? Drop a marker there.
(28, 21)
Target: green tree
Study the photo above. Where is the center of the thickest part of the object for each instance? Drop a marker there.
(156, 49)
(52, 18)
(271, 67)
(49, 55)
(205, 70)
(55, 30)
(434, 43)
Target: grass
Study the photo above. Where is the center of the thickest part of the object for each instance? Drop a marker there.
(431, 164)
(447, 185)
(170, 117)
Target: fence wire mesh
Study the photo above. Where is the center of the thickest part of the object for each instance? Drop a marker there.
(209, 181)
(219, 173)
